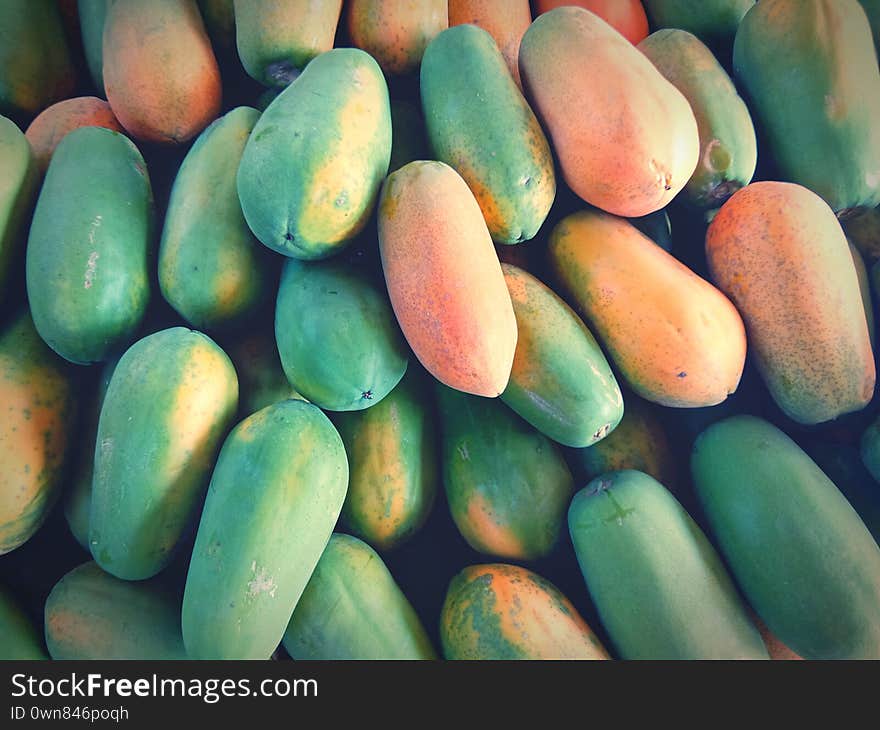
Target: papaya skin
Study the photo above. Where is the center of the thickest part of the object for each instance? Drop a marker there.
(683, 351)
(395, 32)
(160, 74)
(20, 638)
(53, 123)
(627, 17)
(600, 100)
(505, 20)
(18, 189)
(92, 14)
(444, 279)
(712, 21)
(777, 250)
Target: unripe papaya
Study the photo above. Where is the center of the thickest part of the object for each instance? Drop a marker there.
(18, 189)
(92, 14)
(261, 379)
(777, 250)
(616, 156)
(444, 279)
(713, 21)
(627, 17)
(219, 19)
(19, 638)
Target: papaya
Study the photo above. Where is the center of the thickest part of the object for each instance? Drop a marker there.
(728, 146)
(19, 638)
(339, 343)
(211, 268)
(167, 407)
(684, 351)
(494, 142)
(395, 32)
(560, 382)
(505, 20)
(261, 379)
(89, 614)
(507, 485)
(777, 250)
(54, 122)
(862, 228)
(309, 204)
(35, 65)
(160, 73)
(798, 550)
(864, 289)
(276, 39)
(714, 22)
(393, 464)
(499, 611)
(822, 123)
(639, 442)
(775, 648)
(352, 608)
(627, 17)
(91, 246)
(616, 156)
(275, 495)
(219, 19)
(409, 140)
(657, 227)
(38, 394)
(444, 279)
(92, 14)
(18, 189)
(660, 588)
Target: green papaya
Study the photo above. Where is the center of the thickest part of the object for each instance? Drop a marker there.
(409, 140)
(167, 408)
(91, 23)
(313, 165)
(340, 344)
(352, 608)
(90, 246)
(480, 124)
(275, 495)
(507, 484)
(712, 21)
(211, 268)
(261, 379)
(219, 18)
(19, 638)
(18, 188)
(799, 551)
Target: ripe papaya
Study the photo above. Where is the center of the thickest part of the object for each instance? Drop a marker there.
(91, 246)
(777, 250)
(686, 350)
(352, 608)
(505, 20)
(393, 464)
(822, 122)
(494, 141)
(211, 268)
(507, 485)
(627, 17)
(395, 32)
(276, 40)
(18, 189)
(600, 101)
(261, 379)
(728, 147)
(500, 611)
(802, 556)
(90, 614)
(19, 638)
(38, 394)
(92, 14)
(160, 73)
(306, 204)
(409, 140)
(714, 22)
(560, 382)
(660, 588)
(168, 405)
(275, 495)
(339, 343)
(444, 279)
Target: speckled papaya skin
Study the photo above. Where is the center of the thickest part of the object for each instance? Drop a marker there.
(160, 73)
(616, 156)
(91, 615)
(627, 17)
(395, 32)
(18, 189)
(444, 279)
(275, 495)
(500, 611)
(38, 400)
(561, 382)
(777, 250)
(352, 608)
(277, 38)
(822, 123)
(493, 139)
(19, 638)
(153, 461)
(682, 350)
(393, 464)
(507, 485)
(308, 205)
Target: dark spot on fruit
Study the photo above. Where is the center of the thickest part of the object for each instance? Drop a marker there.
(682, 374)
(367, 395)
(288, 236)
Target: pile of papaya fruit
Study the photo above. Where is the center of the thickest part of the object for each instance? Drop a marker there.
(479, 329)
